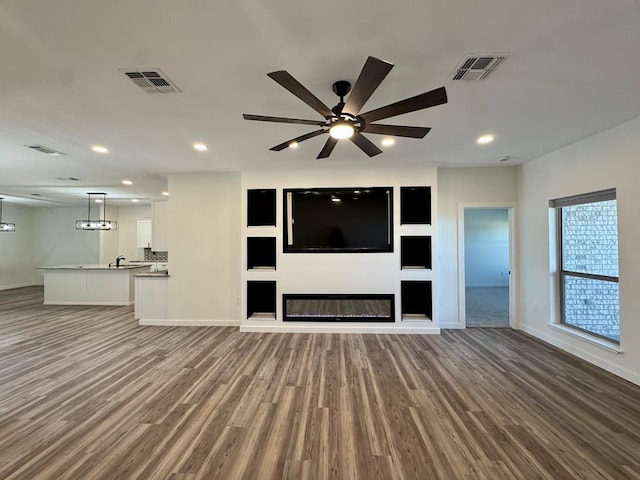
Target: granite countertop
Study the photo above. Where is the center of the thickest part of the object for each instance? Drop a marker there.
(163, 274)
(125, 266)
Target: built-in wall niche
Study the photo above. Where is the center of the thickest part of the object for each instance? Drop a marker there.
(415, 299)
(261, 207)
(261, 253)
(261, 300)
(415, 205)
(415, 252)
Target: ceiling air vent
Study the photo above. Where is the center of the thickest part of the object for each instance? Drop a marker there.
(478, 67)
(150, 80)
(47, 150)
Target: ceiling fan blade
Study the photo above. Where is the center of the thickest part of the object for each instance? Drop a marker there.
(285, 79)
(366, 145)
(395, 130)
(263, 118)
(419, 102)
(299, 139)
(328, 147)
(371, 76)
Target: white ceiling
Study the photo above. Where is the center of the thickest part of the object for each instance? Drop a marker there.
(574, 70)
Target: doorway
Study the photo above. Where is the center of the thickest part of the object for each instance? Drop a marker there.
(485, 255)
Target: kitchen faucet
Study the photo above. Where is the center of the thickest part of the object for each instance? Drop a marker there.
(121, 257)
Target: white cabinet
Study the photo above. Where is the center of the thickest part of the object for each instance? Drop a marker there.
(150, 299)
(160, 213)
(144, 233)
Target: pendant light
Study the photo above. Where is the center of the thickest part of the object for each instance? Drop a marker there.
(100, 223)
(5, 227)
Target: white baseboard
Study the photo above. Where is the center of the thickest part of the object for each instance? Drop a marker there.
(188, 323)
(451, 325)
(112, 304)
(557, 341)
(340, 328)
(18, 285)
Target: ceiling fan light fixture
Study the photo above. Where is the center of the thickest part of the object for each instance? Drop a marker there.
(341, 130)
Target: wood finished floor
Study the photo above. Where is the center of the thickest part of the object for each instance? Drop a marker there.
(85, 393)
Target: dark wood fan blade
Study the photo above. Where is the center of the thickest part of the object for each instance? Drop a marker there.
(299, 139)
(263, 118)
(371, 76)
(366, 145)
(328, 147)
(395, 130)
(419, 102)
(285, 79)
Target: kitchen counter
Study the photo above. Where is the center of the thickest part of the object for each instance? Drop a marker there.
(100, 266)
(163, 274)
(96, 284)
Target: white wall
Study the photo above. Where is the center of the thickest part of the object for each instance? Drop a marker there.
(109, 238)
(204, 242)
(17, 267)
(57, 242)
(606, 160)
(339, 272)
(128, 231)
(486, 247)
(464, 185)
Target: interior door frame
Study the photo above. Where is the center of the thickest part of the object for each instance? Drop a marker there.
(511, 208)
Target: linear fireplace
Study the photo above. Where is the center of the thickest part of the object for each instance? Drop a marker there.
(338, 307)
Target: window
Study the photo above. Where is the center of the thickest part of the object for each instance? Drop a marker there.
(587, 233)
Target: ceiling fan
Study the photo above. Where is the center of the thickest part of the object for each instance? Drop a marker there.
(344, 121)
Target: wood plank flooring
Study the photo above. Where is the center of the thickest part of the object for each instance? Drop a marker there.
(85, 393)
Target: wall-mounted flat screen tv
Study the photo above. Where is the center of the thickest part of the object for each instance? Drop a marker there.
(338, 220)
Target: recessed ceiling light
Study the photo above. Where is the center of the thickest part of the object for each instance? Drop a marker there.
(98, 200)
(387, 142)
(201, 147)
(134, 200)
(484, 139)
(100, 149)
(166, 194)
(293, 145)
(127, 182)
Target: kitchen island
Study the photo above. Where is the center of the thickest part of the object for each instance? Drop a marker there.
(91, 284)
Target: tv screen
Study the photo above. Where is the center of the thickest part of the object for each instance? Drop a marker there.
(338, 220)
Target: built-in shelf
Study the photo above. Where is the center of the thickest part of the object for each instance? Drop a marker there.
(261, 300)
(261, 207)
(415, 205)
(415, 252)
(415, 300)
(261, 253)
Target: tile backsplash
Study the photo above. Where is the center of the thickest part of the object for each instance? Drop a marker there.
(151, 256)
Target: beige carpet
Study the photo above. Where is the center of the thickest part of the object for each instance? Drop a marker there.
(487, 306)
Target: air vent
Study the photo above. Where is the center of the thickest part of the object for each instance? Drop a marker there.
(47, 150)
(478, 67)
(150, 80)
